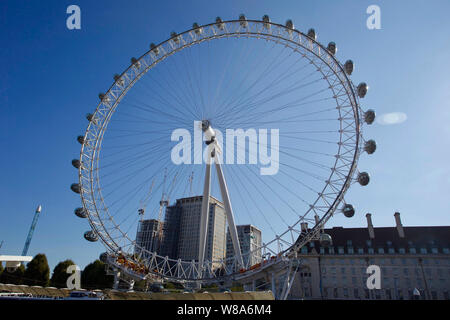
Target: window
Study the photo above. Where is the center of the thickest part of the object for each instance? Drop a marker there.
(381, 250)
(369, 243)
(446, 251)
(423, 250)
(434, 250)
(322, 250)
(391, 250)
(360, 251)
(350, 250)
(335, 292)
(370, 250)
(388, 294)
(412, 250)
(341, 250)
(401, 250)
(345, 292)
(356, 293)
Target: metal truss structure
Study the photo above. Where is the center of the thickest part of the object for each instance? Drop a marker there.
(284, 246)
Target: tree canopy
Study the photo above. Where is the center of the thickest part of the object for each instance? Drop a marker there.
(37, 272)
(94, 276)
(15, 277)
(60, 275)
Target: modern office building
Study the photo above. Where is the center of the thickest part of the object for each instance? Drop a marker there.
(250, 240)
(182, 230)
(147, 235)
(414, 263)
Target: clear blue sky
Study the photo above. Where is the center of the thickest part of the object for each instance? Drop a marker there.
(51, 76)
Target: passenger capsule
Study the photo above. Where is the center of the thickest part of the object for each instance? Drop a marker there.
(119, 80)
(243, 21)
(369, 116)
(312, 34)
(266, 21)
(362, 89)
(290, 24)
(91, 236)
(135, 62)
(80, 139)
(197, 29)
(175, 37)
(103, 257)
(348, 210)
(154, 48)
(370, 146)
(332, 48)
(75, 187)
(220, 23)
(325, 240)
(348, 66)
(103, 97)
(80, 212)
(76, 163)
(363, 178)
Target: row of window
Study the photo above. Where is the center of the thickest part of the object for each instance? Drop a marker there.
(389, 294)
(383, 262)
(351, 250)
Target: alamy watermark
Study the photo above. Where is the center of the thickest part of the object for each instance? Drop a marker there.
(262, 147)
(74, 280)
(374, 20)
(73, 22)
(374, 280)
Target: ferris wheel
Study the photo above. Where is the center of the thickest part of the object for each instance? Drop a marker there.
(297, 115)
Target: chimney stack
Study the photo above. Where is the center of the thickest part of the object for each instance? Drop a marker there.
(316, 217)
(304, 226)
(399, 225)
(370, 226)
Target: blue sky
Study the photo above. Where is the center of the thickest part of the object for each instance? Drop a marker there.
(51, 77)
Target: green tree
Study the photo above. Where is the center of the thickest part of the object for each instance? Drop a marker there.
(60, 275)
(15, 277)
(94, 276)
(38, 271)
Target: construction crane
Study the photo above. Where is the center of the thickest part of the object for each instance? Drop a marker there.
(165, 198)
(143, 203)
(30, 233)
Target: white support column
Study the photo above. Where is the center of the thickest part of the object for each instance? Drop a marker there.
(204, 216)
(116, 279)
(229, 212)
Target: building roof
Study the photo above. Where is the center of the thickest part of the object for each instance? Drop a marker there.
(388, 237)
